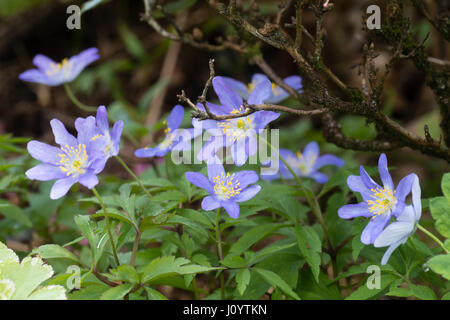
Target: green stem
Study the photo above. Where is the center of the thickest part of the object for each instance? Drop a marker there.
(194, 285)
(135, 177)
(432, 236)
(77, 102)
(312, 200)
(108, 227)
(219, 253)
(166, 164)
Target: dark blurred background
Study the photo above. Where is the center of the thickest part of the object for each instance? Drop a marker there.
(140, 73)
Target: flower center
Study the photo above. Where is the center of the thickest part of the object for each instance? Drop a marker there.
(169, 139)
(74, 160)
(224, 186)
(236, 128)
(300, 162)
(384, 201)
(276, 90)
(65, 66)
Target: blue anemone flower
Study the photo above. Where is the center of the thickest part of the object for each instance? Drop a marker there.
(399, 231)
(51, 73)
(225, 189)
(175, 138)
(380, 203)
(101, 137)
(277, 93)
(239, 134)
(305, 164)
(76, 160)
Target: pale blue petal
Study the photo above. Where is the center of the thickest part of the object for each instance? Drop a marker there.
(44, 152)
(374, 228)
(232, 208)
(89, 180)
(45, 172)
(384, 173)
(214, 170)
(354, 210)
(389, 252)
(393, 233)
(404, 187)
(210, 203)
(200, 181)
(61, 187)
(247, 194)
(62, 136)
(227, 96)
(319, 177)
(175, 117)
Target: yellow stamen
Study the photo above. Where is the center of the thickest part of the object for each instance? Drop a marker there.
(224, 187)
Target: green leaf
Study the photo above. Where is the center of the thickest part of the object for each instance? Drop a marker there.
(131, 42)
(441, 265)
(363, 292)
(242, 280)
(310, 246)
(445, 185)
(440, 210)
(422, 292)
(179, 5)
(273, 279)
(54, 251)
(233, 261)
(169, 265)
(252, 236)
(117, 293)
(13, 212)
(124, 273)
(154, 294)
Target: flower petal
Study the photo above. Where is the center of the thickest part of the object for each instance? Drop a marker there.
(210, 203)
(86, 129)
(44, 152)
(393, 233)
(354, 210)
(260, 93)
(389, 252)
(199, 180)
(367, 180)
(116, 133)
(239, 152)
(374, 228)
(328, 159)
(319, 177)
(62, 136)
(262, 118)
(89, 180)
(35, 75)
(404, 187)
(42, 62)
(61, 187)
(175, 117)
(145, 152)
(311, 150)
(245, 178)
(237, 86)
(248, 193)
(215, 169)
(232, 208)
(82, 60)
(226, 95)
(384, 173)
(45, 172)
(416, 192)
